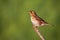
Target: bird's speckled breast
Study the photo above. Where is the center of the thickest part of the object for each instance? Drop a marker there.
(34, 21)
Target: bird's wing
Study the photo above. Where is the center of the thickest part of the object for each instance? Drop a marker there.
(40, 20)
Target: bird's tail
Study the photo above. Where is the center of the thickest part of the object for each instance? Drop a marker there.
(50, 24)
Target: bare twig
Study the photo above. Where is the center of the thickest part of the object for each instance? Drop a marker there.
(39, 34)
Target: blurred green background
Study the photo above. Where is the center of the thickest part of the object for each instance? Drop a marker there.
(15, 21)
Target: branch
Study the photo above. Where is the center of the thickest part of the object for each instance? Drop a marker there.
(39, 34)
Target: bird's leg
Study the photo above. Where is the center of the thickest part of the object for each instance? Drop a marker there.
(37, 31)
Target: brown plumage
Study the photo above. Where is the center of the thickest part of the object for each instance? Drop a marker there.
(36, 20)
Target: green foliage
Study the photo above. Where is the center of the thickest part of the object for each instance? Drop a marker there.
(15, 21)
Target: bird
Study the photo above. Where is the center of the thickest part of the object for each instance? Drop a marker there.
(36, 20)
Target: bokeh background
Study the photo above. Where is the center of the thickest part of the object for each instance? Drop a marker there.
(15, 21)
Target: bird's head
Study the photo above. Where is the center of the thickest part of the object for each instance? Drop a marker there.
(32, 13)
